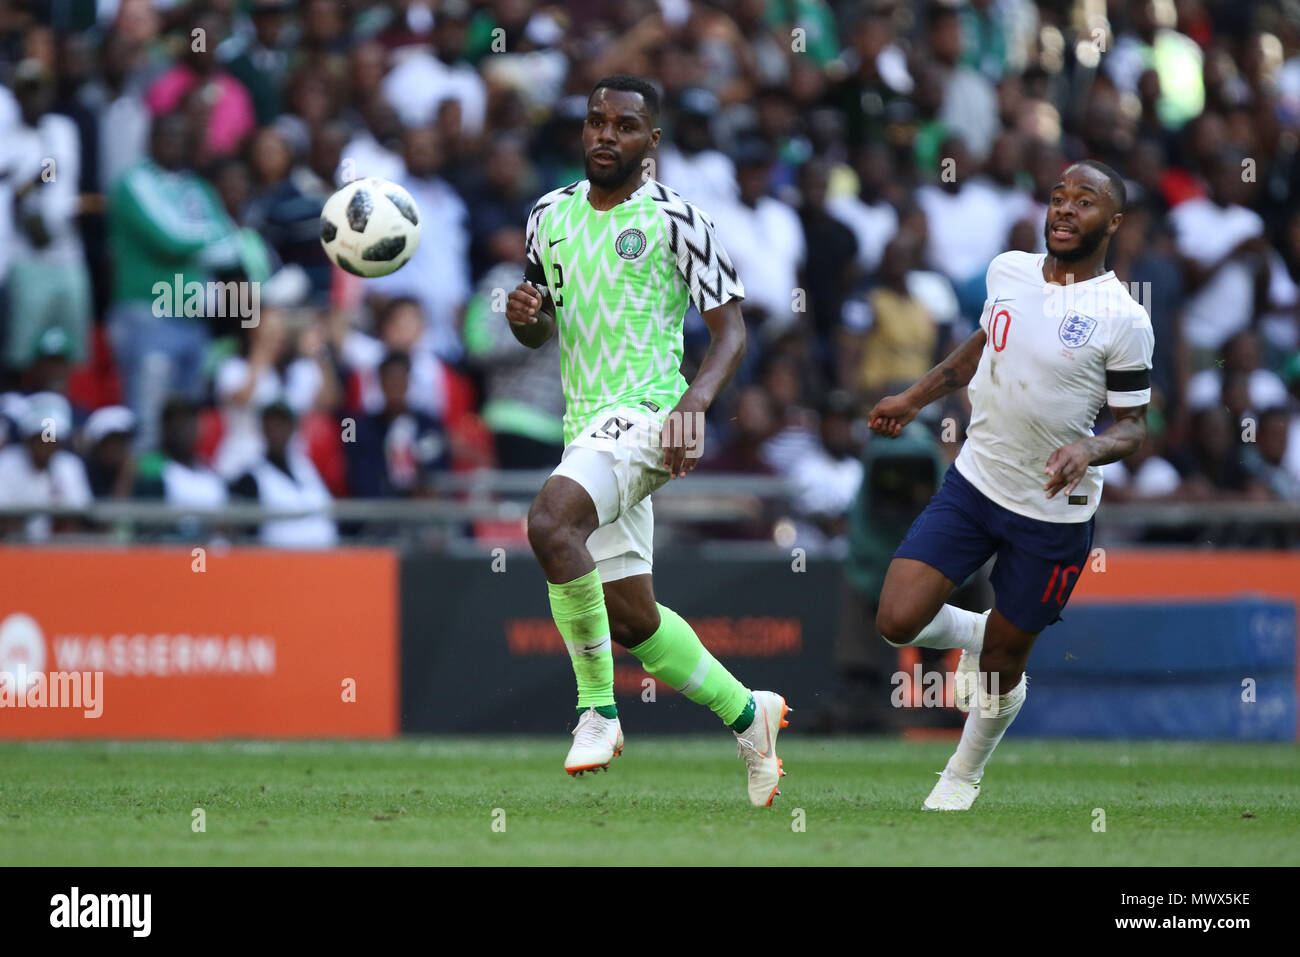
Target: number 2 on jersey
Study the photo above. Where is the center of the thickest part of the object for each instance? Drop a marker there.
(559, 282)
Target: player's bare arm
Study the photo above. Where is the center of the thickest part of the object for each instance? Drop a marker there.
(681, 445)
(1069, 463)
(531, 315)
(893, 412)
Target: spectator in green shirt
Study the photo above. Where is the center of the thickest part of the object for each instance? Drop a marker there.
(167, 229)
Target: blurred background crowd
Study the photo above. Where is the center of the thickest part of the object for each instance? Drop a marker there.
(162, 141)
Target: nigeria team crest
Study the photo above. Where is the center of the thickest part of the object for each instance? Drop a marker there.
(630, 243)
(1076, 330)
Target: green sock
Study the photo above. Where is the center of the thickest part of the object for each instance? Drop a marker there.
(741, 724)
(674, 655)
(579, 611)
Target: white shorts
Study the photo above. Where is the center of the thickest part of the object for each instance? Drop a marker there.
(618, 459)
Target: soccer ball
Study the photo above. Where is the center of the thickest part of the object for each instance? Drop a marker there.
(370, 227)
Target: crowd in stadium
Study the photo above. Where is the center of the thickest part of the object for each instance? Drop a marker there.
(862, 161)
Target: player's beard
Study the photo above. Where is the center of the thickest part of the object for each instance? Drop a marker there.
(617, 176)
(1088, 243)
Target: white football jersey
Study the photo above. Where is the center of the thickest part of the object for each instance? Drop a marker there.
(1055, 355)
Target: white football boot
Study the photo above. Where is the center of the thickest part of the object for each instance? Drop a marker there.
(757, 745)
(596, 741)
(951, 794)
(966, 680)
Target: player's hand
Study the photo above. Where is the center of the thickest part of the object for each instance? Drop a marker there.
(682, 436)
(1066, 468)
(522, 304)
(890, 414)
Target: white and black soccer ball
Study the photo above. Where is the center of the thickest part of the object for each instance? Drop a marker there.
(370, 227)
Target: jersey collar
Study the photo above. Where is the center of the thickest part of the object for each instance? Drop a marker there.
(635, 194)
(1042, 258)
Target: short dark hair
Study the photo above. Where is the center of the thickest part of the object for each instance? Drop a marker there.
(936, 13)
(281, 407)
(178, 405)
(631, 84)
(1116, 181)
(838, 403)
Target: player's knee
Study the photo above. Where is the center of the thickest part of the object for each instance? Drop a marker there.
(630, 628)
(896, 626)
(546, 532)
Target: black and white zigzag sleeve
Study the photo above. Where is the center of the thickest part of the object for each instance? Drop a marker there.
(533, 272)
(702, 262)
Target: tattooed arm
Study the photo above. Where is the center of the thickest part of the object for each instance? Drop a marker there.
(1068, 464)
(894, 411)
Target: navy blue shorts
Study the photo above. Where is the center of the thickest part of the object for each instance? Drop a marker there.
(1038, 563)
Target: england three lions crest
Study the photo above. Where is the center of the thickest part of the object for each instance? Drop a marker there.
(1076, 329)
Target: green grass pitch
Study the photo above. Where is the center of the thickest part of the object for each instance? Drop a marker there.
(665, 801)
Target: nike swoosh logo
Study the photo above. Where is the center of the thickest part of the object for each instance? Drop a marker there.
(554, 241)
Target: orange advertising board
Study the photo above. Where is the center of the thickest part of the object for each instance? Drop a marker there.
(169, 643)
(1140, 574)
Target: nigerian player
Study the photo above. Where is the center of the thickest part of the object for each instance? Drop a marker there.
(613, 262)
(1059, 337)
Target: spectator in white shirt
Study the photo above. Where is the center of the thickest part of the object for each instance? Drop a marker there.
(869, 214)
(795, 436)
(966, 223)
(438, 273)
(275, 364)
(765, 240)
(371, 151)
(1225, 257)
(1266, 459)
(116, 97)
(284, 479)
(1006, 161)
(1239, 356)
(691, 164)
(423, 80)
(174, 473)
(399, 327)
(106, 451)
(970, 102)
(49, 282)
(1146, 474)
(827, 480)
(38, 470)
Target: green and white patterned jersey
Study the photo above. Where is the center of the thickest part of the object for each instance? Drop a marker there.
(621, 280)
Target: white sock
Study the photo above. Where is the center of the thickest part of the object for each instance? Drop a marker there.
(984, 729)
(952, 628)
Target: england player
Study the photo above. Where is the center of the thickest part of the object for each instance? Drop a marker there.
(1059, 336)
(613, 261)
